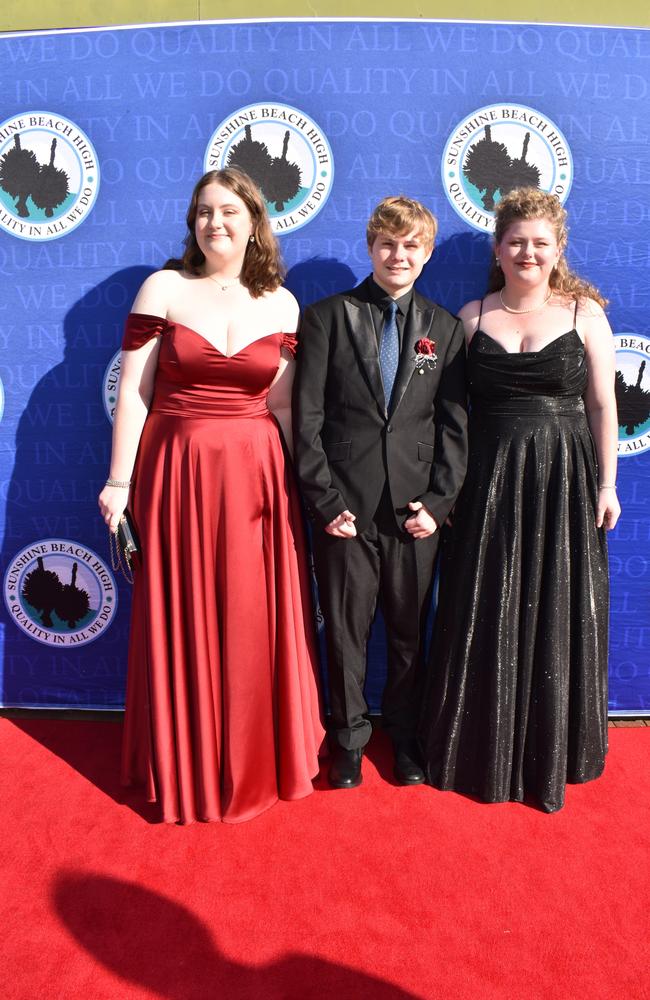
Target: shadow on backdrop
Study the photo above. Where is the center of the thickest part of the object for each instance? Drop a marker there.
(317, 278)
(457, 271)
(62, 457)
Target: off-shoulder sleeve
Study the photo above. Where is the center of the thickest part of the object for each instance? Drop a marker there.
(139, 328)
(290, 343)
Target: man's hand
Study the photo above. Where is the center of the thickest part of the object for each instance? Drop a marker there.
(342, 526)
(421, 524)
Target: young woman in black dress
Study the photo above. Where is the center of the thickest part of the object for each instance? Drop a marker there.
(517, 703)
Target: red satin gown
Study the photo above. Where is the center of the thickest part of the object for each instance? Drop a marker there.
(222, 705)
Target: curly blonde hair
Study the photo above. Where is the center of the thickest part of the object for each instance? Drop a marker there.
(262, 270)
(399, 215)
(524, 204)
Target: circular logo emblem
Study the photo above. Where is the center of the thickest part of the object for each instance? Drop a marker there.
(110, 385)
(60, 592)
(497, 149)
(286, 154)
(633, 393)
(49, 176)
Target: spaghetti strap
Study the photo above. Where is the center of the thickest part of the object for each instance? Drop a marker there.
(478, 325)
(575, 314)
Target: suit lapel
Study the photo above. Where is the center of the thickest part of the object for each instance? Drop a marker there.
(419, 325)
(362, 332)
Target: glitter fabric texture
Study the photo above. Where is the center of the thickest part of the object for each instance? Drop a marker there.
(517, 682)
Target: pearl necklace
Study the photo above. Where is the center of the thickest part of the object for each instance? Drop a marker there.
(223, 285)
(531, 310)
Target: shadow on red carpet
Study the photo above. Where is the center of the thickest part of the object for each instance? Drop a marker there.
(161, 946)
(378, 893)
(92, 749)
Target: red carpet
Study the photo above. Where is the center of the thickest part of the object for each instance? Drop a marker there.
(382, 893)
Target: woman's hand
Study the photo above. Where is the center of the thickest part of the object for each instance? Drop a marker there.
(608, 509)
(112, 504)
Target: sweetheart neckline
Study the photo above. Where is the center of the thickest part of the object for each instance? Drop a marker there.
(173, 322)
(214, 347)
(517, 354)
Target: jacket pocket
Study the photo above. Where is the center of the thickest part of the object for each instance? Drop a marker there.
(339, 451)
(425, 452)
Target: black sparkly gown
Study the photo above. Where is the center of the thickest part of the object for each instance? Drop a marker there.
(517, 697)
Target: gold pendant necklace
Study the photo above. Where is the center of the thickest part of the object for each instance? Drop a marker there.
(520, 311)
(223, 285)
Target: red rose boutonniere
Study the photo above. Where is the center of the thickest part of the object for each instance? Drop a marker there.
(425, 355)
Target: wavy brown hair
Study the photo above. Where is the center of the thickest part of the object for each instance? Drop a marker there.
(524, 204)
(399, 215)
(262, 270)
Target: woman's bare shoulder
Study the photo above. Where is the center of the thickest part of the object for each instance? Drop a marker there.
(470, 311)
(590, 309)
(285, 309)
(157, 291)
(284, 297)
(470, 314)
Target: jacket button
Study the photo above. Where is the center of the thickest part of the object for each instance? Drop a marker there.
(389, 429)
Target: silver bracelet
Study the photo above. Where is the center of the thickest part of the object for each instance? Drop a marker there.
(607, 486)
(119, 483)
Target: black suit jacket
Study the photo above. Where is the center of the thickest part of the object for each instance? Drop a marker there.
(346, 442)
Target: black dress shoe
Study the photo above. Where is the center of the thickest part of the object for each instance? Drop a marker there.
(407, 770)
(345, 768)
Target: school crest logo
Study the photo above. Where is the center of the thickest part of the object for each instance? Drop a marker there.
(60, 592)
(498, 148)
(633, 393)
(49, 176)
(110, 385)
(287, 155)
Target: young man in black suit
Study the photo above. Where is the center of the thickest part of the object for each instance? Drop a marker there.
(380, 449)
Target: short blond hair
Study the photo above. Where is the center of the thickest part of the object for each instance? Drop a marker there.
(399, 215)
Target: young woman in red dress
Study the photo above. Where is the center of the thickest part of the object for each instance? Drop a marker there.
(222, 707)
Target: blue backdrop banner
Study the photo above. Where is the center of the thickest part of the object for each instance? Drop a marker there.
(103, 134)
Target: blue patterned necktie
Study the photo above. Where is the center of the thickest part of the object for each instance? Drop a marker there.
(389, 351)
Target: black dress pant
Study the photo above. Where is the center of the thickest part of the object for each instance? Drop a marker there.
(381, 564)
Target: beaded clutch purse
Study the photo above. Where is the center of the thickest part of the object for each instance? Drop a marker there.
(125, 548)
